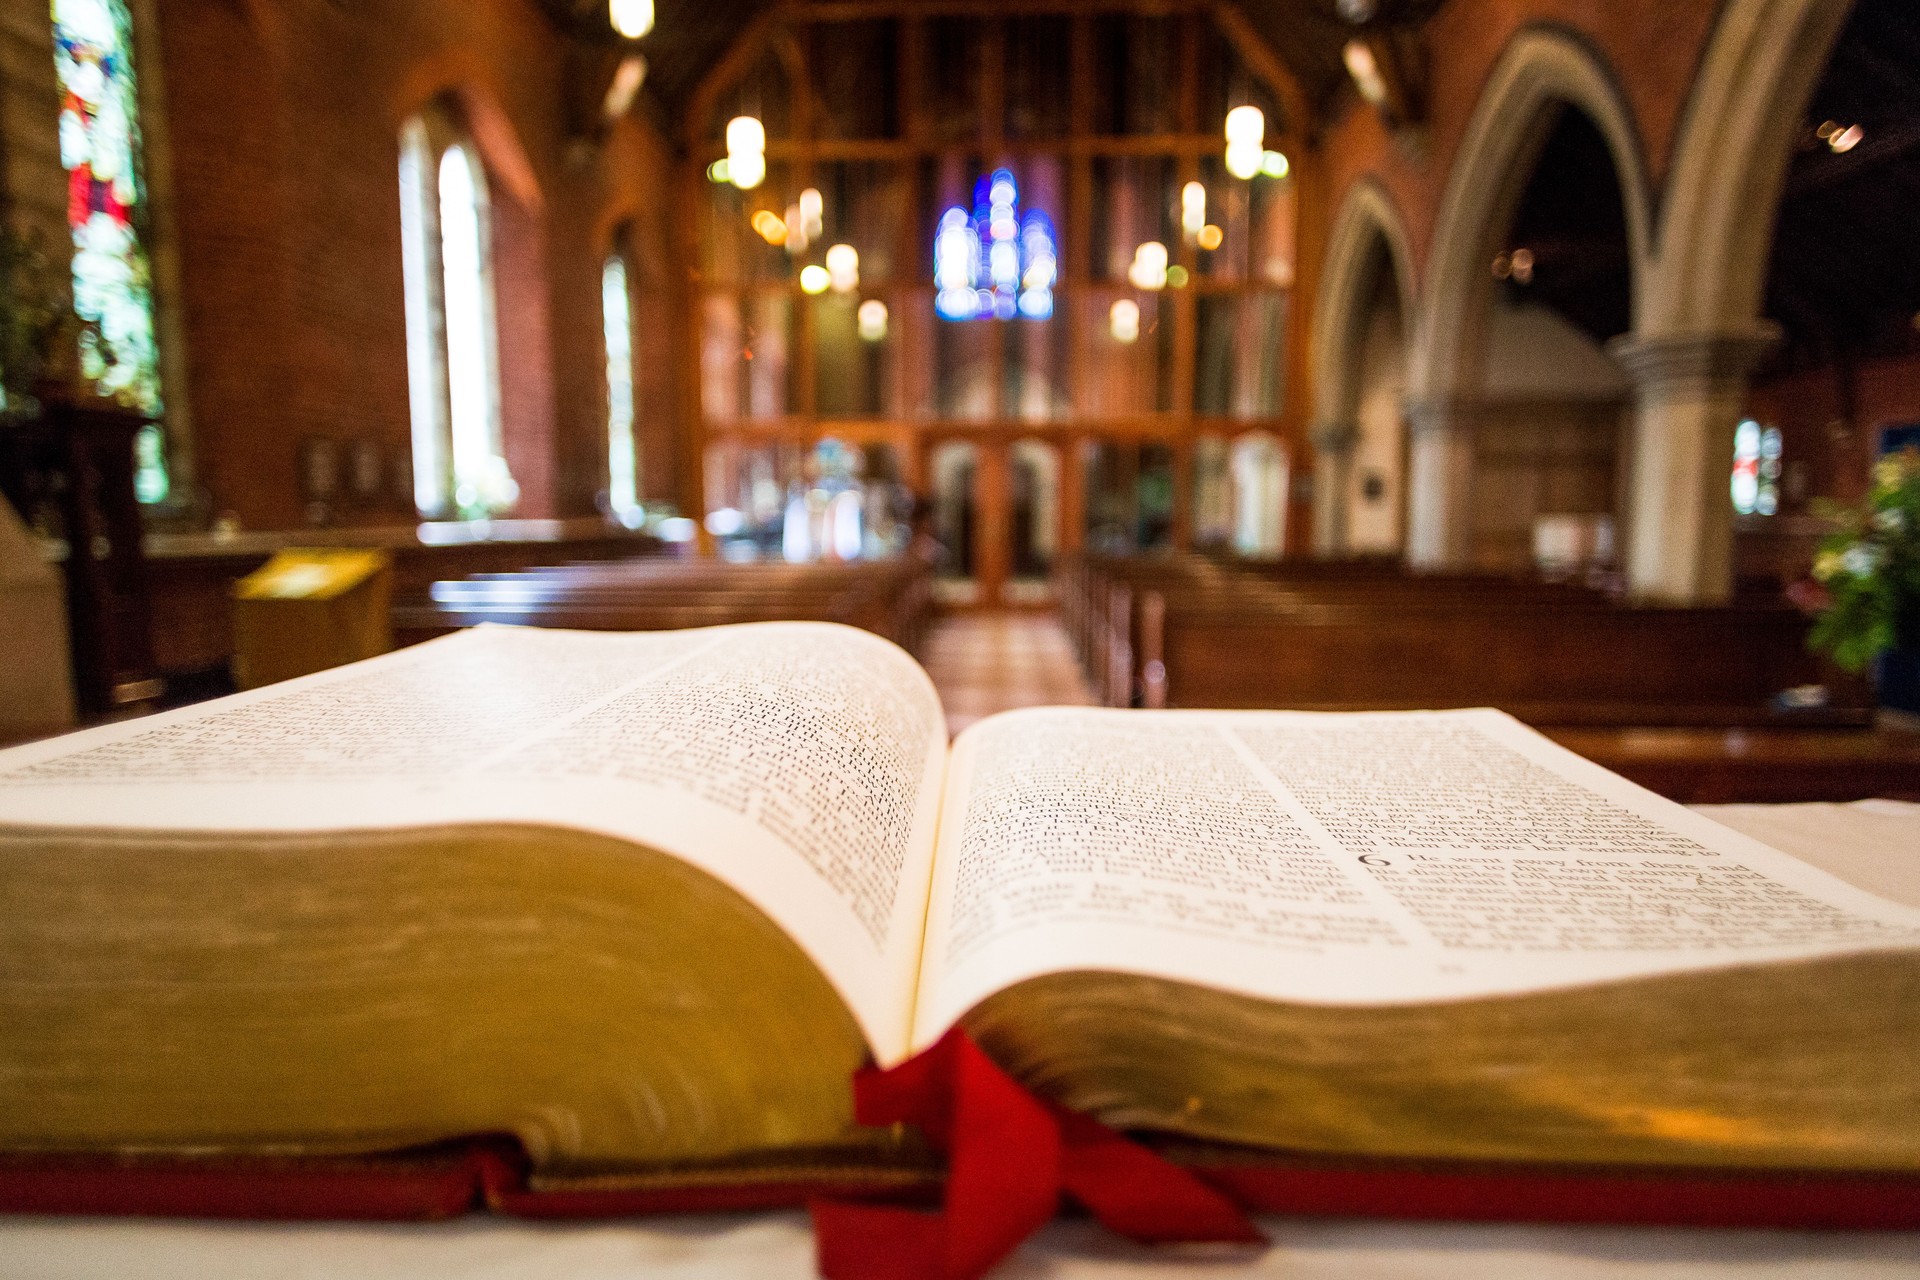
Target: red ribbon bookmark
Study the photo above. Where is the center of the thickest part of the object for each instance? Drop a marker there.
(1010, 1157)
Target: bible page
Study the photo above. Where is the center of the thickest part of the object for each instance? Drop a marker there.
(799, 763)
(1369, 858)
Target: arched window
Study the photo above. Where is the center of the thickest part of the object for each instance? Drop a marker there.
(1756, 469)
(1259, 463)
(623, 455)
(106, 213)
(453, 359)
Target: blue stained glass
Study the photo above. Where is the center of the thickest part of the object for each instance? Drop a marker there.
(994, 263)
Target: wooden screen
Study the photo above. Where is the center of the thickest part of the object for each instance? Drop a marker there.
(1104, 117)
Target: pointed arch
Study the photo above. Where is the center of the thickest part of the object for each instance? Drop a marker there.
(460, 80)
(1730, 160)
(1543, 71)
(1699, 328)
(1368, 238)
(1367, 228)
(479, 366)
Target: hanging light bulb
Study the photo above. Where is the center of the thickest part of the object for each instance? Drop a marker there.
(1247, 126)
(1365, 70)
(1149, 269)
(1243, 162)
(843, 268)
(1246, 140)
(631, 18)
(1193, 209)
(747, 170)
(813, 213)
(745, 133)
(814, 278)
(872, 320)
(746, 152)
(770, 225)
(627, 78)
(1124, 320)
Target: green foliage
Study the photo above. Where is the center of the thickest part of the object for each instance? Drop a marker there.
(36, 314)
(1870, 568)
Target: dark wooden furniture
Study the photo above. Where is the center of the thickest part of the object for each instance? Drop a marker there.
(72, 468)
(192, 575)
(1680, 700)
(1757, 765)
(1193, 632)
(890, 598)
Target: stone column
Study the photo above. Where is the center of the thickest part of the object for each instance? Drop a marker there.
(1439, 484)
(1689, 393)
(1333, 443)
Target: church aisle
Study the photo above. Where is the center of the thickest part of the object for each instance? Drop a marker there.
(987, 662)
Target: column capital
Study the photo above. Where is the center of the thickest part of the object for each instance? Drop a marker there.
(1333, 436)
(1694, 361)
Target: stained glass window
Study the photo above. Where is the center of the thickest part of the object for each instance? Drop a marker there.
(1756, 469)
(994, 264)
(616, 306)
(106, 206)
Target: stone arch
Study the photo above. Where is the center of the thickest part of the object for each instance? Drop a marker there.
(1367, 226)
(1698, 327)
(1368, 234)
(1730, 160)
(1542, 72)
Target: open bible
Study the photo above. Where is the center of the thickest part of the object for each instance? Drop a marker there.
(646, 901)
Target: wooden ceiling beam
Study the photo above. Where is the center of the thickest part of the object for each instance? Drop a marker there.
(728, 71)
(1266, 65)
(851, 149)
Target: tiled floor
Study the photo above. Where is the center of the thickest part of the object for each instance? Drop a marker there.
(988, 662)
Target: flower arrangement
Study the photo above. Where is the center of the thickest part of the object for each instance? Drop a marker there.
(1868, 569)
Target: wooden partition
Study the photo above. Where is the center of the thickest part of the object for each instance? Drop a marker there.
(1104, 112)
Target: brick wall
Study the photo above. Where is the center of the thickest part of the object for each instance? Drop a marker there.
(1830, 419)
(35, 184)
(284, 118)
(283, 228)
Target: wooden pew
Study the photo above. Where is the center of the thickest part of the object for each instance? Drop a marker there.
(1110, 604)
(1556, 664)
(1680, 700)
(892, 599)
(1757, 765)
